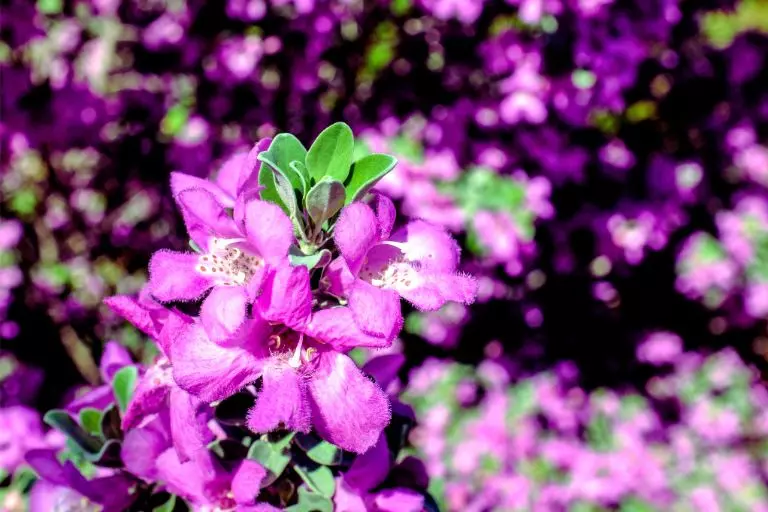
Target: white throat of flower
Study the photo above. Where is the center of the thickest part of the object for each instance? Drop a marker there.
(396, 274)
(228, 265)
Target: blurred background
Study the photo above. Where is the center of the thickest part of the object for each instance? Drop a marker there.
(604, 164)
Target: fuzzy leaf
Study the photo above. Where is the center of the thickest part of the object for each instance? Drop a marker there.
(331, 153)
(300, 168)
(325, 200)
(63, 422)
(123, 385)
(271, 457)
(365, 173)
(90, 420)
(286, 193)
(320, 451)
(268, 191)
(318, 478)
(311, 502)
(283, 151)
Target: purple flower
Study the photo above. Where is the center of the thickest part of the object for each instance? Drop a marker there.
(355, 490)
(156, 392)
(307, 380)
(114, 493)
(417, 263)
(237, 257)
(203, 482)
(20, 430)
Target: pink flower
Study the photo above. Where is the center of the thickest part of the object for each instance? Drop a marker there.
(237, 255)
(307, 380)
(417, 263)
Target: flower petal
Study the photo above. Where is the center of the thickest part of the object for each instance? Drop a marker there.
(249, 174)
(431, 291)
(356, 231)
(115, 356)
(186, 480)
(142, 446)
(181, 182)
(223, 312)
(427, 244)
(146, 314)
(228, 176)
(348, 409)
(346, 499)
(384, 368)
(337, 327)
(385, 214)
(172, 276)
(371, 468)
(189, 429)
(205, 217)
(281, 401)
(209, 371)
(97, 398)
(150, 395)
(268, 229)
(337, 279)
(376, 311)
(246, 482)
(399, 500)
(287, 297)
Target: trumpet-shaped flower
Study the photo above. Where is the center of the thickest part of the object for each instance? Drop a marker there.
(307, 380)
(417, 263)
(237, 255)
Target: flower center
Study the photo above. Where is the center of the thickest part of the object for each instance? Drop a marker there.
(161, 373)
(228, 265)
(291, 348)
(397, 274)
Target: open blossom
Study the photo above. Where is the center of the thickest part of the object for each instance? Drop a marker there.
(417, 262)
(202, 480)
(114, 492)
(307, 380)
(236, 257)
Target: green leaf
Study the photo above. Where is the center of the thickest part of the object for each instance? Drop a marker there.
(299, 168)
(123, 384)
(319, 259)
(324, 200)
(283, 151)
(271, 457)
(366, 172)
(318, 478)
(320, 451)
(168, 506)
(63, 422)
(108, 456)
(268, 191)
(90, 420)
(286, 193)
(331, 153)
(311, 502)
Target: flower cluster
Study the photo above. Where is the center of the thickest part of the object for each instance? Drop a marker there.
(295, 263)
(493, 441)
